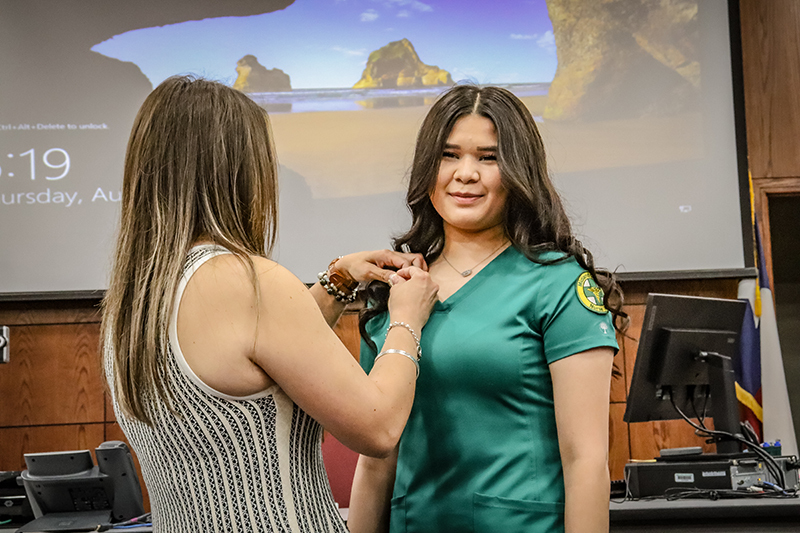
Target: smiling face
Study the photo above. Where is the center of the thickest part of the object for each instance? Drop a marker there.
(469, 194)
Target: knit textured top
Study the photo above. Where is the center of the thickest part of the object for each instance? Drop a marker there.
(226, 463)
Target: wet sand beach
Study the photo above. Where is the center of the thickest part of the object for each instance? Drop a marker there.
(357, 153)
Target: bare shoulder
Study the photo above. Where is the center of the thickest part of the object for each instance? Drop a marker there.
(225, 274)
(279, 286)
(229, 280)
(222, 287)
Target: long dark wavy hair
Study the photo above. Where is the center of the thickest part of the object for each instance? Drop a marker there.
(535, 220)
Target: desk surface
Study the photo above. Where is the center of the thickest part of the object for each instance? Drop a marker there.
(692, 515)
(688, 516)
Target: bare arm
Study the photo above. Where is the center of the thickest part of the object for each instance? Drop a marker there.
(371, 494)
(296, 347)
(331, 308)
(581, 386)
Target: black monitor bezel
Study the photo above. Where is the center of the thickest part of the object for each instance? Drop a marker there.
(666, 311)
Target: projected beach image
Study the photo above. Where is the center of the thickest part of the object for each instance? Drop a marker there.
(347, 82)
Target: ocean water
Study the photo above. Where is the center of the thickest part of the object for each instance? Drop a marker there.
(312, 100)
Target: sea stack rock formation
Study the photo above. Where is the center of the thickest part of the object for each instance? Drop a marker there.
(256, 78)
(398, 65)
(623, 59)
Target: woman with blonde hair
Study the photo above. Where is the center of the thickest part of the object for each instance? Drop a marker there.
(222, 365)
(509, 429)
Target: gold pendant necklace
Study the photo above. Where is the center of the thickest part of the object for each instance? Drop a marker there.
(468, 272)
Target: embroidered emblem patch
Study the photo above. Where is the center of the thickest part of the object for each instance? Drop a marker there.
(590, 294)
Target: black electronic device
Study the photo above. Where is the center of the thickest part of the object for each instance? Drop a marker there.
(685, 363)
(706, 472)
(655, 479)
(68, 492)
(14, 503)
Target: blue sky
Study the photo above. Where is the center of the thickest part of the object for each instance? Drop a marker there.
(325, 43)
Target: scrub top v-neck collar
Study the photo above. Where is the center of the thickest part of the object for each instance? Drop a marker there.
(474, 282)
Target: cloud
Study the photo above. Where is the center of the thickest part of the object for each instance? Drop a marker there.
(348, 52)
(419, 6)
(547, 41)
(403, 14)
(413, 4)
(369, 15)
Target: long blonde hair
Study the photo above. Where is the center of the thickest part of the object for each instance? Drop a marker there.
(200, 165)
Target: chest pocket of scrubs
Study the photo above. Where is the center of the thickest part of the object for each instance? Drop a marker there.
(492, 513)
(397, 517)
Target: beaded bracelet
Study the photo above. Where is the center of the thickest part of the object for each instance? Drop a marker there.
(400, 352)
(341, 287)
(410, 330)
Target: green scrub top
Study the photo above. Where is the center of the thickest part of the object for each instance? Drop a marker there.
(480, 450)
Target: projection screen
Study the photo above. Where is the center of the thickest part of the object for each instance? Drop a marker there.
(635, 100)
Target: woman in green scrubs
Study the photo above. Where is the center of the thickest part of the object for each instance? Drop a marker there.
(509, 428)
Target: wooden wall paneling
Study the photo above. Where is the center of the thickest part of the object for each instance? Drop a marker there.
(619, 450)
(636, 291)
(49, 312)
(631, 341)
(771, 69)
(114, 432)
(618, 394)
(649, 438)
(109, 407)
(14, 442)
(53, 377)
(763, 189)
(347, 331)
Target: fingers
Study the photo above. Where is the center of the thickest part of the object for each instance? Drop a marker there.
(390, 258)
(394, 279)
(378, 265)
(409, 272)
(418, 261)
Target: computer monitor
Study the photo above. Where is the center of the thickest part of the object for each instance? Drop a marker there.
(685, 362)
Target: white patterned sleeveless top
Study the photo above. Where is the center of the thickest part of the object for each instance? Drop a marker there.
(225, 463)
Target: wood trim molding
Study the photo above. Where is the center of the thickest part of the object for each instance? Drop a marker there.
(763, 188)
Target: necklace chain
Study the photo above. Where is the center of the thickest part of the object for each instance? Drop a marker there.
(468, 272)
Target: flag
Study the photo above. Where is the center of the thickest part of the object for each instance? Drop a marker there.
(761, 381)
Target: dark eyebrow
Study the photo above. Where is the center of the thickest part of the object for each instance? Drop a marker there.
(480, 148)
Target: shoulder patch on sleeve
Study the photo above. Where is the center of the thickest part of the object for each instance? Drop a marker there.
(590, 294)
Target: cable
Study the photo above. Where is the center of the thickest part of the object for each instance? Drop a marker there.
(139, 521)
(715, 435)
(748, 431)
(700, 418)
(675, 493)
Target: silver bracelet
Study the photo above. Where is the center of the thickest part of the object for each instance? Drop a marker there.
(410, 330)
(400, 352)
